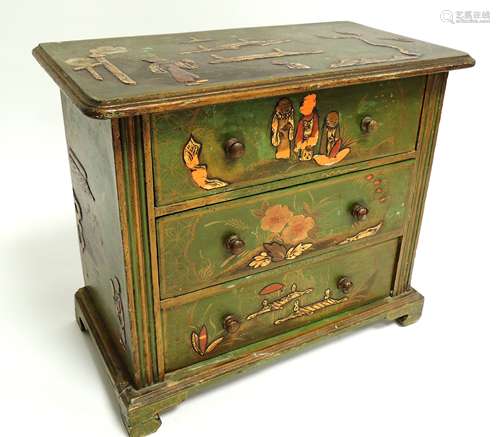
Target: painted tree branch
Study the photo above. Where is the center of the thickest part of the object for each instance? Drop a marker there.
(276, 53)
(364, 61)
(310, 309)
(348, 35)
(235, 45)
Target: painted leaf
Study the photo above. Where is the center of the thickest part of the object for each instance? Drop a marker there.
(298, 250)
(195, 341)
(271, 288)
(214, 344)
(203, 339)
(276, 251)
(261, 260)
(191, 153)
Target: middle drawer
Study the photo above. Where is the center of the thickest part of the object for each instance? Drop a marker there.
(214, 244)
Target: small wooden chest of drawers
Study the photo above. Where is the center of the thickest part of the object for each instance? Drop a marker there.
(242, 193)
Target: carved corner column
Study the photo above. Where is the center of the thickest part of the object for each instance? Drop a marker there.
(136, 199)
(426, 143)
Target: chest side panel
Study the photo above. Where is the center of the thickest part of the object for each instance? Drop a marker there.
(90, 150)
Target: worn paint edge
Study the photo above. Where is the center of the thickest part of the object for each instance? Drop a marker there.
(426, 144)
(243, 90)
(190, 377)
(124, 224)
(150, 200)
(389, 308)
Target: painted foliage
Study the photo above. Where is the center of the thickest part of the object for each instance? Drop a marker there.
(288, 236)
(278, 227)
(199, 172)
(200, 343)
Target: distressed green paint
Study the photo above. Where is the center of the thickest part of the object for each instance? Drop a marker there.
(132, 244)
(150, 335)
(340, 55)
(371, 269)
(112, 98)
(145, 238)
(102, 253)
(191, 248)
(395, 104)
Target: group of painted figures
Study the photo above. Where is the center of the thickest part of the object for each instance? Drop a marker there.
(303, 141)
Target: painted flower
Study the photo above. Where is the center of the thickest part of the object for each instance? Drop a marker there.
(272, 288)
(275, 218)
(297, 229)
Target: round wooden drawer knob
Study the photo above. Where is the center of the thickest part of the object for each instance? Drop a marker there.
(231, 324)
(234, 148)
(368, 125)
(235, 244)
(359, 212)
(344, 284)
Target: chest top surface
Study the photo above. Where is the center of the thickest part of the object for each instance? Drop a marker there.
(131, 75)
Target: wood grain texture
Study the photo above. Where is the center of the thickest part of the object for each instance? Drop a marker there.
(426, 143)
(339, 65)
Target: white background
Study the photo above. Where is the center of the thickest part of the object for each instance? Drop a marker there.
(437, 377)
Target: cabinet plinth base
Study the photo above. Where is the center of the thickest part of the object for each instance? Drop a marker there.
(140, 407)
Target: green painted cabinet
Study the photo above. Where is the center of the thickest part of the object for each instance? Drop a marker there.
(244, 193)
(394, 105)
(279, 227)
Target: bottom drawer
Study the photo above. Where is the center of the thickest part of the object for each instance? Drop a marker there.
(223, 318)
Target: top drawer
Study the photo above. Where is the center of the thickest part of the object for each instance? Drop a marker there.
(218, 148)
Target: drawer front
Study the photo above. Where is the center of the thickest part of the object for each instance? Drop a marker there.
(282, 137)
(270, 303)
(202, 247)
